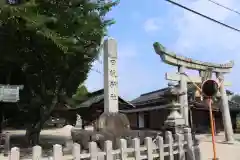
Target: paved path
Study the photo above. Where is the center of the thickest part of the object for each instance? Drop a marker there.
(224, 151)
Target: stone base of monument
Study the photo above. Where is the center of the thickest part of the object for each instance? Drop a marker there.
(113, 127)
(83, 137)
(109, 126)
(116, 123)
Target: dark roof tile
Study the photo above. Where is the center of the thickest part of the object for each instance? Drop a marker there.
(156, 96)
(98, 96)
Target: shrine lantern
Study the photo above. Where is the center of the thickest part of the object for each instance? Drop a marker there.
(210, 88)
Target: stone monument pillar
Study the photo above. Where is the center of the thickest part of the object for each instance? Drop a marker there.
(110, 76)
(111, 120)
(184, 97)
(225, 112)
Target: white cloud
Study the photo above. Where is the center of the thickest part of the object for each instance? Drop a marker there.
(152, 24)
(206, 40)
(195, 32)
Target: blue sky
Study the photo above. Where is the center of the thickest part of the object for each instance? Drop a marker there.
(141, 23)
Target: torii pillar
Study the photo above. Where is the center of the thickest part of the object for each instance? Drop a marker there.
(184, 97)
(229, 135)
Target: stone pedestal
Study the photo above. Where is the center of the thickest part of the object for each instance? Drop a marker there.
(175, 122)
(115, 123)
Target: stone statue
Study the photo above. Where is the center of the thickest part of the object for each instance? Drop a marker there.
(78, 122)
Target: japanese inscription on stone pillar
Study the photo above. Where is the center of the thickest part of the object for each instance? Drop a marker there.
(110, 76)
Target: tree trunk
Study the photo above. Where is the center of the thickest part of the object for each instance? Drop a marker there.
(33, 133)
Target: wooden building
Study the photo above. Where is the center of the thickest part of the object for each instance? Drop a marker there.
(90, 108)
(151, 111)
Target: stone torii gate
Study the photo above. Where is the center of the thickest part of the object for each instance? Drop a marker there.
(204, 69)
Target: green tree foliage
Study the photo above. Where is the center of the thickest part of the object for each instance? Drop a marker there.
(81, 93)
(49, 46)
